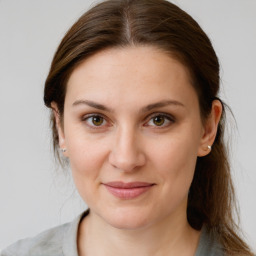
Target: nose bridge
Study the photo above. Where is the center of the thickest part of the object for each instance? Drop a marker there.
(126, 153)
(126, 141)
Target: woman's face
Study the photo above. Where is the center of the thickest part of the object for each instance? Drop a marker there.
(133, 132)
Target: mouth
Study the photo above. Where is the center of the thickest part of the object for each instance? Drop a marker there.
(129, 190)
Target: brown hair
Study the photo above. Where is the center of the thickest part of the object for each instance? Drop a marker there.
(159, 23)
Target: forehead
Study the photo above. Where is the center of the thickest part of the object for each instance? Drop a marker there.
(130, 74)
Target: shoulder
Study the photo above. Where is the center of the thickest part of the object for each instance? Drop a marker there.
(58, 241)
(48, 242)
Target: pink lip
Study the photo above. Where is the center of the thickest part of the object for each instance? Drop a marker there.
(127, 190)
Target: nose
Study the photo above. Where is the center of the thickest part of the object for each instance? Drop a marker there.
(126, 153)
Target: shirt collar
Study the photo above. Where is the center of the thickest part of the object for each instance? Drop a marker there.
(69, 245)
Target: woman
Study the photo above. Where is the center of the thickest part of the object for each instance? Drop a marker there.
(133, 90)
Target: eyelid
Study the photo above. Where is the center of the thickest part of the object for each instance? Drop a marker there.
(169, 117)
(87, 116)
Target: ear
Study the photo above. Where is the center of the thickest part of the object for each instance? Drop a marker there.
(210, 129)
(61, 136)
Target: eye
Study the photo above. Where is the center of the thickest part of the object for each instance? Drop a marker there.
(160, 120)
(95, 120)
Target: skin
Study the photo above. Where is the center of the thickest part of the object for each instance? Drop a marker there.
(128, 145)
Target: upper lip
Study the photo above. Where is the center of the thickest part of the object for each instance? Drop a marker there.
(120, 184)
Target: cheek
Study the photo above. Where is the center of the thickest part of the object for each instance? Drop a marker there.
(87, 156)
(176, 164)
(86, 152)
(176, 159)
(85, 159)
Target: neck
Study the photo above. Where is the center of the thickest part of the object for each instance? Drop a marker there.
(165, 237)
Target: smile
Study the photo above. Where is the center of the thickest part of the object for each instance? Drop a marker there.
(129, 190)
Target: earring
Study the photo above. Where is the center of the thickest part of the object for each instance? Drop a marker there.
(209, 147)
(63, 150)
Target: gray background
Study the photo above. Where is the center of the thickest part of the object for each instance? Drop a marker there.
(34, 193)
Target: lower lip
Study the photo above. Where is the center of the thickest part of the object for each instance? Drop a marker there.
(127, 193)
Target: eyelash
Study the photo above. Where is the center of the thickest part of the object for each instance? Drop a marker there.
(167, 118)
(88, 117)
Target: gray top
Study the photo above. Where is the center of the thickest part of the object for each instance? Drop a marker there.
(61, 241)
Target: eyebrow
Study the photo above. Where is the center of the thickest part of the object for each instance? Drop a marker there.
(147, 108)
(162, 104)
(92, 104)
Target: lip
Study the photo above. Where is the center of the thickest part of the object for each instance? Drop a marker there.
(128, 190)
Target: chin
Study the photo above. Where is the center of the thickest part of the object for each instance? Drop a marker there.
(128, 224)
(128, 219)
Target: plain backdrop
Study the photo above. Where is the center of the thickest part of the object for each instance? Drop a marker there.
(35, 194)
